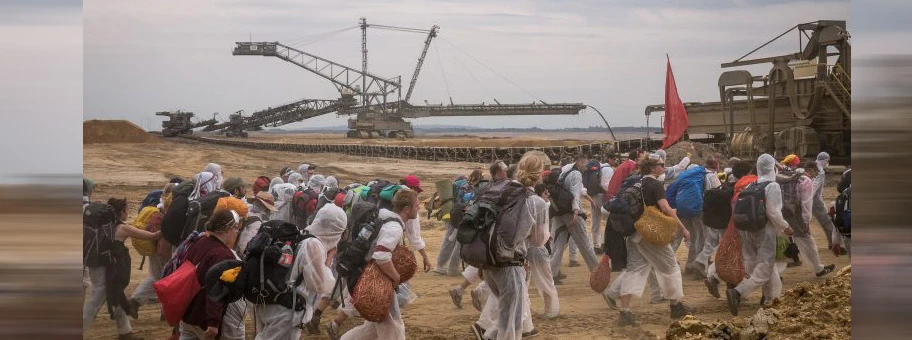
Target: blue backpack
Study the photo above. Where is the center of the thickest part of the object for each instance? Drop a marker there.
(686, 193)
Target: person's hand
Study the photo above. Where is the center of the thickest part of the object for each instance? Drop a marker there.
(211, 332)
(837, 250)
(427, 263)
(688, 155)
(788, 231)
(686, 234)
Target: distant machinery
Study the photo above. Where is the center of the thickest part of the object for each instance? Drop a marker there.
(376, 114)
(803, 106)
(179, 122)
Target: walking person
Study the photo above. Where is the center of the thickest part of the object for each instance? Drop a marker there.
(448, 260)
(144, 292)
(819, 207)
(645, 259)
(572, 225)
(711, 236)
(596, 189)
(110, 275)
(759, 247)
(807, 247)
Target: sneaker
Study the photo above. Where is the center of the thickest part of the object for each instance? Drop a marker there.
(476, 300)
(626, 319)
(712, 285)
(561, 276)
(558, 282)
(439, 271)
(679, 310)
(598, 250)
(734, 301)
(478, 331)
(332, 329)
(610, 302)
(456, 297)
(574, 263)
(826, 270)
(530, 334)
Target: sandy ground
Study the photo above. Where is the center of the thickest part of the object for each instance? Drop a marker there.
(131, 170)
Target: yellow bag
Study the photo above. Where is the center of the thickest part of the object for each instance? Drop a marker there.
(144, 247)
(655, 227)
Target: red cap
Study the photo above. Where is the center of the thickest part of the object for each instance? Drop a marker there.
(413, 183)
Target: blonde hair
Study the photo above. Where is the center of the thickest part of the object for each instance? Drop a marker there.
(403, 198)
(529, 170)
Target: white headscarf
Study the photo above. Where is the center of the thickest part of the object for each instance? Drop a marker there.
(328, 225)
(296, 179)
(216, 170)
(661, 153)
(316, 182)
(284, 195)
(332, 182)
(823, 159)
(274, 182)
(766, 168)
(302, 169)
(206, 182)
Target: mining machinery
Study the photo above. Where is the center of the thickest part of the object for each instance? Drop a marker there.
(802, 106)
(180, 123)
(376, 102)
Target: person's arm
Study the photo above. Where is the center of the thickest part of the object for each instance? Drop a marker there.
(320, 279)
(413, 233)
(389, 237)
(214, 310)
(682, 165)
(607, 173)
(773, 195)
(806, 193)
(131, 231)
(575, 182)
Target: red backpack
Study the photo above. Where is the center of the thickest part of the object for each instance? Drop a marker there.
(303, 205)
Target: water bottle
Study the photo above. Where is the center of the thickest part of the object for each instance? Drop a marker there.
(287, 255)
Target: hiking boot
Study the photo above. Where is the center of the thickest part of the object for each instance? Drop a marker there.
(679, 310)
(712, 285)
(128, 336)
(530, 334)
(826, 270)
(456, 296)
(625, 318)
(439, 271)
(476, 300)
(598, 250)
(133, 309)
(762, 300)
(478, 331)
(793, 264)
(558, 282)
(734, 301)
(610, 302)
(574, 263)
(561, 276)
(332, 329)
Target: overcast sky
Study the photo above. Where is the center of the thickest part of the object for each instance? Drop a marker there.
(150, 56)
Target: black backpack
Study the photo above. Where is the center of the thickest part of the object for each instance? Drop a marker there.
(592, 179)
(199, 211)
(843, 217)
(175, 218)
(495, 227)
(265, 281)
(300, 206)
(750, 208)
(561, 197)
(479, 214)
(627, 206)
(717, 206)
(357, 242)
(791, 199)
(99, 222)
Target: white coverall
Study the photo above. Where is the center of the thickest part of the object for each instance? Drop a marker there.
(566, 227)
(710, 236)
(392, 327)
(820, 209)
(807, 247)
(596, 206)
(759, 247)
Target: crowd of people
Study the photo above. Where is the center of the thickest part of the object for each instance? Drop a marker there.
(216, 224)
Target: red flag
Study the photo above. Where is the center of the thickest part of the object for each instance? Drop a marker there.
(675, 115)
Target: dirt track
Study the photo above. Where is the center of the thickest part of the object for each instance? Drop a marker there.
(131, 170)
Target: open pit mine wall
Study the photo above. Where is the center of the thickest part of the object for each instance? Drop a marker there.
(452, 154)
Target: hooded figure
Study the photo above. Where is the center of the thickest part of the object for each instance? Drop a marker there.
(275, 181)
(332, 182)
(284, 195)
(275, 322)
(759, 247)
(296, 179)
(819, 208)
(206, 182)
(303, 171)
(316, 182)
(216, 170)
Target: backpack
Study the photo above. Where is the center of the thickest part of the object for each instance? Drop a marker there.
(304, 204)
(99, 222)
(686, 193)
(152, 199)
(749, 213)
(476, 215)
(381, 192)
(592, 178)
(199, 211)
(463, 192)
(175, 218)
(717, 207)
(145, 247)
(495, 228)
(627, 206)
(357, 242)
(845, 182)
(791, 199)
(561, 197)
(267, 282)
(843, 217)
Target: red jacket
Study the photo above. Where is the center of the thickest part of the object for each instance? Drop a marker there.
(205, 253)
(625, 169)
